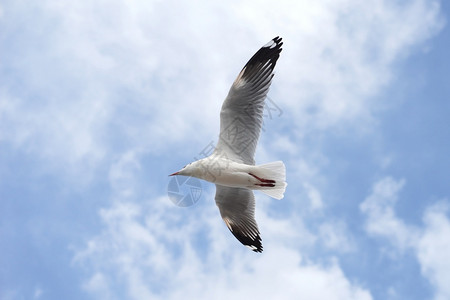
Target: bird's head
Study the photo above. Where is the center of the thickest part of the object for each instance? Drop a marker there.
(187, 170)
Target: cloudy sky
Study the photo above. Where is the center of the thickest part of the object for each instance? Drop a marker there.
(101, 100)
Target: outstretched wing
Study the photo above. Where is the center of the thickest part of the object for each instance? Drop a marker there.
(237, 208)
(242, 110)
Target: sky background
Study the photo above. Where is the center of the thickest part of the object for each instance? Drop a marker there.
(101, 100)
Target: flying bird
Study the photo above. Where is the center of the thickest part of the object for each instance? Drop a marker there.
(232, 166)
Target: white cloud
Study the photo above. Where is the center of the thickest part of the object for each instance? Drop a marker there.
(38, 292)
(314, 197)
(429, 243)
(151, 249)
(92, 83)
(336, 236)
(433, 249)
(80, 70)
(346, 57)
(381, 217)
(97, 285)
(156, 250)
(122, 174)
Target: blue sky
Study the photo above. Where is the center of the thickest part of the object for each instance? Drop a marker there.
(100, 101)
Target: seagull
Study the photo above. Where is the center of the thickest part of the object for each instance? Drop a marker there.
(232, 166)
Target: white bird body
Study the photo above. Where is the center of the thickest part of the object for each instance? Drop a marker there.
(223, 171)
(231, 166)
(217, 169)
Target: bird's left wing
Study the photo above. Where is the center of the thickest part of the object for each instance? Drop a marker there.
(242, 111)
(237, 208)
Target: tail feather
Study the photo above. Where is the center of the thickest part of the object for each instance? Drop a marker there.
(274, 171)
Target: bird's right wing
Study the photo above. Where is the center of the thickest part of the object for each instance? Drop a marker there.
(237, 208)
(242, 111)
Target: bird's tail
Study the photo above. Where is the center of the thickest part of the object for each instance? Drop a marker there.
(272, 177)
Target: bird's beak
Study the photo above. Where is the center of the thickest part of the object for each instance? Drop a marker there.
(176, 173)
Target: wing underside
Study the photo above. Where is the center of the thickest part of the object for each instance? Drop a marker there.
(237, 208)
(242, 111)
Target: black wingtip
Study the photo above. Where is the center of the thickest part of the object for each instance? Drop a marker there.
(278, 42)
(269, 53)
(254, 244)
(258, 250)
